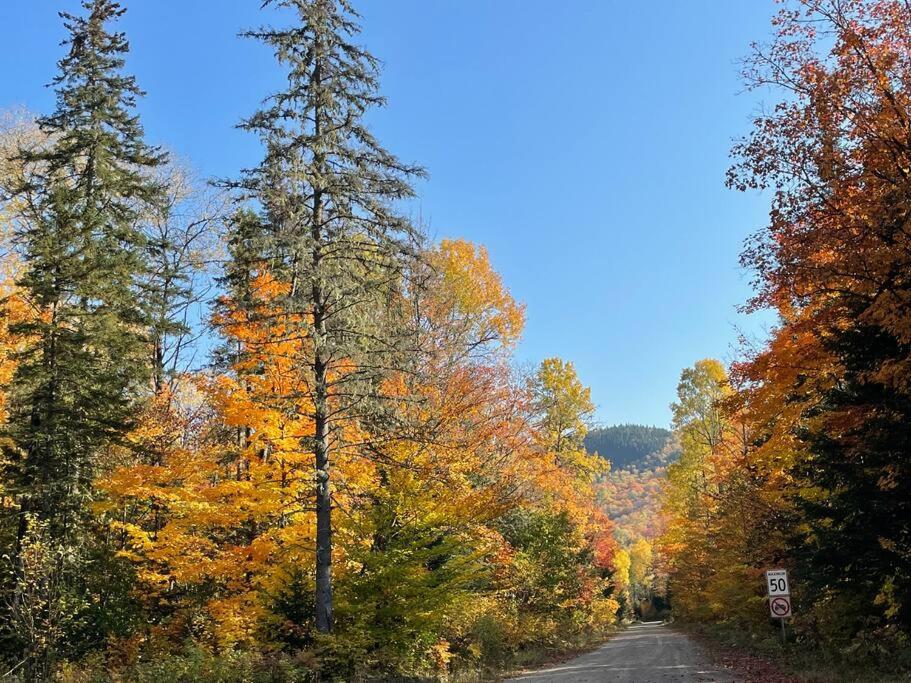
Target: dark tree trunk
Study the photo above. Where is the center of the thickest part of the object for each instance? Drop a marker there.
(323, 600)
(323, 597)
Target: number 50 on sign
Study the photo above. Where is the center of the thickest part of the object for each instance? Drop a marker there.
(779, 595)
(778, 582)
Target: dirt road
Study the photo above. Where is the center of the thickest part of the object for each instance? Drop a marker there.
(644, 653)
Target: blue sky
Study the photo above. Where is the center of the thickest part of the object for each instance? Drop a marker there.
(584, 142)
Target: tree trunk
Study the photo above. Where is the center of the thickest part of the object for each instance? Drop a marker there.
(323, 601)
(323, 597)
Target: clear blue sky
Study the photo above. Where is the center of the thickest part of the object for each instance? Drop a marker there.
(584, 142)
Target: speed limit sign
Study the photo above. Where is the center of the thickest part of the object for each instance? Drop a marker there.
(778, 582)
(779, 597)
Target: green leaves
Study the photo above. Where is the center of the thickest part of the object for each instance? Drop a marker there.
(83, 357)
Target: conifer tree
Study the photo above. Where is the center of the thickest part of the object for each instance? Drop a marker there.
(858, 438)
(327, 189)
(82, 248)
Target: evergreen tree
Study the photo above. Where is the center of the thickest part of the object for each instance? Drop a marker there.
(852, 551)
(84, 194)
(248, 252)
(247, 247)
(327, 189)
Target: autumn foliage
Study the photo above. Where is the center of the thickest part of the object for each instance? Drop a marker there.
(269, 430)
(468, 517)
(810, 467)
(266, 429)
(465, 533)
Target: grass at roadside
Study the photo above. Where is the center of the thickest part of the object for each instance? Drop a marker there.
(535, 657)
(763, 657)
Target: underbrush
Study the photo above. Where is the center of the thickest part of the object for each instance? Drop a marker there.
(490, 657)
(809, 661)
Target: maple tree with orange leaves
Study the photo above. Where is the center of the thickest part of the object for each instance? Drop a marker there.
(821, 483)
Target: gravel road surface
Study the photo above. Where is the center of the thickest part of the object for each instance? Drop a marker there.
(644, 653)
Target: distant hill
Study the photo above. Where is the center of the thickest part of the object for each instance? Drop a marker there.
(631, 493)
(627, 444)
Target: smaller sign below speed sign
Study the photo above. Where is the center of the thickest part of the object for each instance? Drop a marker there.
(778, 582)
(780, 606)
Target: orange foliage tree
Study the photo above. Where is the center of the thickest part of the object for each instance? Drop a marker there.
(831, 394)
(823, 483)
(219, 517)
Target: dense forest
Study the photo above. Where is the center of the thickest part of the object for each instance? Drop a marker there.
(631, 493)
(798, 455)
(626, 445)
(264, 428)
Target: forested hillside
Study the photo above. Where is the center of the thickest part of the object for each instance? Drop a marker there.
(627, 444)
(631, 495)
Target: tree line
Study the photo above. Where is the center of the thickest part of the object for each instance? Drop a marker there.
(263, 428)
(799, 455)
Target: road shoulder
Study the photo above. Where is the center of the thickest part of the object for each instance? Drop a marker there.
(747, 666)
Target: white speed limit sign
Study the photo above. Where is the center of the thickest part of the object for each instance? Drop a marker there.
(778, 582)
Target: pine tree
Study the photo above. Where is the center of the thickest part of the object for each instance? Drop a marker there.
(852, 551)
(327, 189)
(83, 253)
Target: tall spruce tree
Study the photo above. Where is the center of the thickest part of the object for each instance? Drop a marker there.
(327, 190)
(79, 235)
(852, 549)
